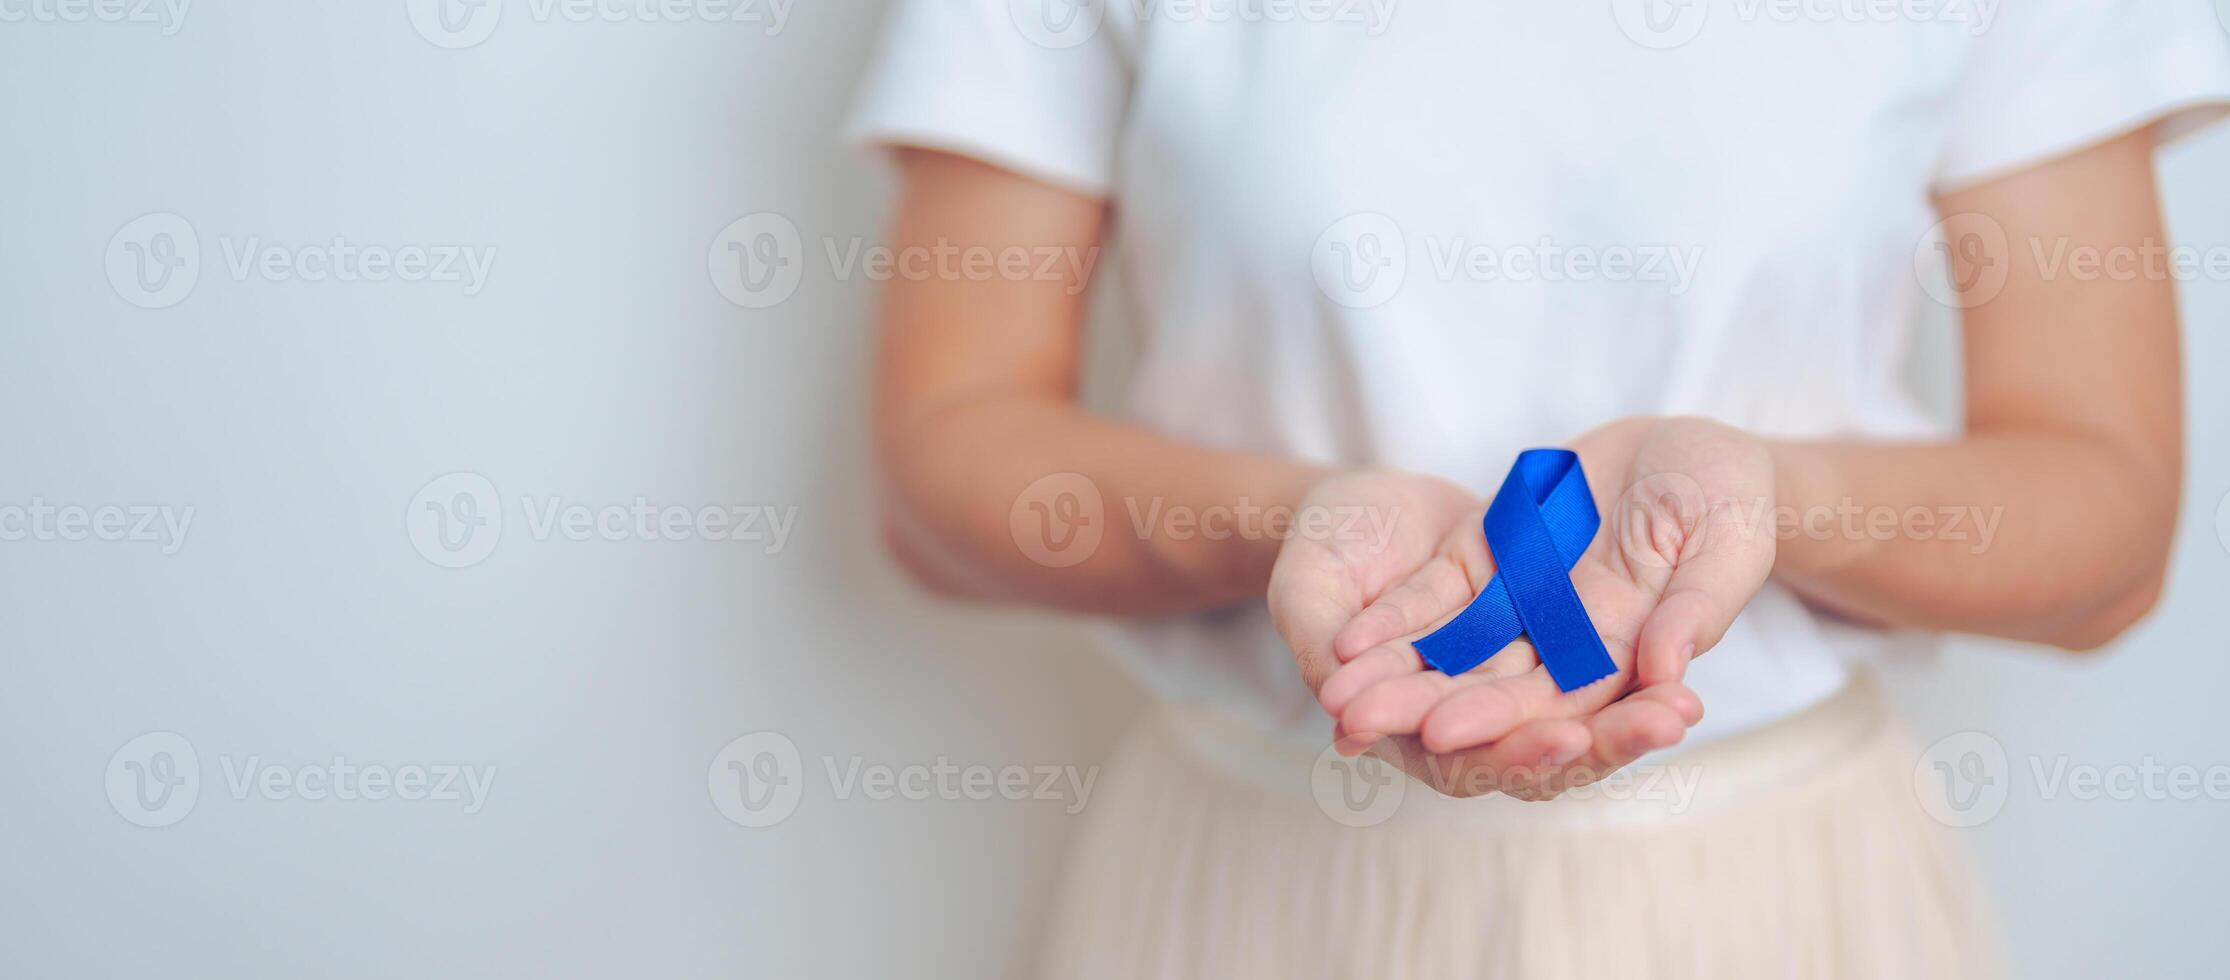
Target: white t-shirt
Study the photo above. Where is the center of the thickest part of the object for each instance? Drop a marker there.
(1433, 234)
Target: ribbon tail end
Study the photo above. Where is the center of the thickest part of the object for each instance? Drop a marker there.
(1571, 677)
(1448, 655)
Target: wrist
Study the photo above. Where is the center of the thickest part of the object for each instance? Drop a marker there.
(1803, 478)
(1225, 548)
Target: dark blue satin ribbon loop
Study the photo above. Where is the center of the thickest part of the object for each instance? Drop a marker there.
(1539, 524)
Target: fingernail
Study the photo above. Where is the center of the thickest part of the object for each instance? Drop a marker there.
(1688, 654)
(1354, 745)
(1563, 756)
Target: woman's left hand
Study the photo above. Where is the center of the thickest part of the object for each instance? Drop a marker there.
(1687, 541)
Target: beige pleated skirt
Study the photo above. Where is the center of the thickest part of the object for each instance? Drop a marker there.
(1798, 850)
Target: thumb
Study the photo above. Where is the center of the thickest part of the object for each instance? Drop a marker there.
(1309, 603)
(1723, 568)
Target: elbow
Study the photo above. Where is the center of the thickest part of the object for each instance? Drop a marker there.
(912, 559)
(941, 565)
(2100, 626)
(2094, 622)
(898, 534)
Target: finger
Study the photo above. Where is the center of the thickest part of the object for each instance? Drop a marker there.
(1421, 601)
(1521, 764)
(1349, 744)
(1679, 697)
(1621, 734)
(1478, 714)
(1386, 662)
(1670, 638)
(1642, 722)
(1534, 751)
(1507, 766)
(1431, 596)
(1629, 730)
(1695, 610)
(1636, 726)
(1708, 589)
(1398, 705)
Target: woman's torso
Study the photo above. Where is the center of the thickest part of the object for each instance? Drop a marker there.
(1438, 239)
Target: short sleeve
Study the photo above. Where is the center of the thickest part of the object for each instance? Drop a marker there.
(1038, 87)
(2051, 77)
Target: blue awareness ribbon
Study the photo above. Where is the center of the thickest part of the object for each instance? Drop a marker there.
(1538, 526)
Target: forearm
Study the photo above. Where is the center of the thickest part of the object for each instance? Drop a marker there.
(1132, 522)
(2043, 535)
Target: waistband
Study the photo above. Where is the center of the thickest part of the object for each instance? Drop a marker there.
(1806, 749)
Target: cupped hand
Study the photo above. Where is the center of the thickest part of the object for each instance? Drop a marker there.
(1685, 545)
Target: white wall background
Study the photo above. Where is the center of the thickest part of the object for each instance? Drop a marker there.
(297, 620)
